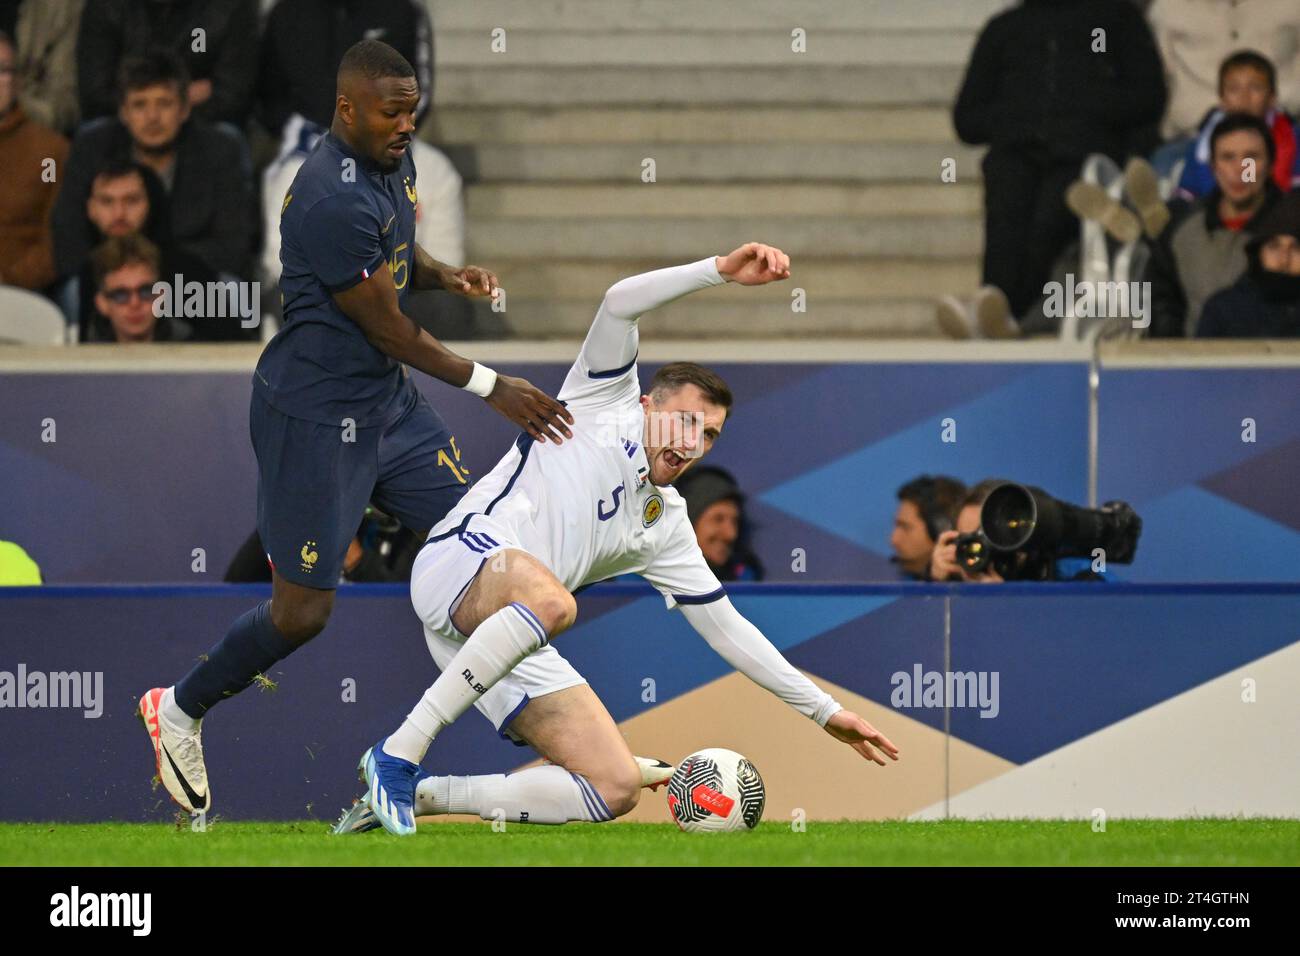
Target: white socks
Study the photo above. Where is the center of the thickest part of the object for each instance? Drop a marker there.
(491, 652)
(546, 794)
(171, 712)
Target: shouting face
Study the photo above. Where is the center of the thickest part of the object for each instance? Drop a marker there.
(680, 428)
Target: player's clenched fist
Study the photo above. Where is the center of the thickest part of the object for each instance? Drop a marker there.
(754, 264)
(532, 410)
(471, 281)
(857, 733)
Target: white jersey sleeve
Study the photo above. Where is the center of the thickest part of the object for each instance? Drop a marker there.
(743, 646)
(605, 371)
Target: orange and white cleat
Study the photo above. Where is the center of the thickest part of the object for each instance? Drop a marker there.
(654, 773)
(178, 754)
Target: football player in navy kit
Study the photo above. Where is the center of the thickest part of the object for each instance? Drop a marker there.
(336, 421)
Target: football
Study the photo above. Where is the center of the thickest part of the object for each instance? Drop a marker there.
(715, 790)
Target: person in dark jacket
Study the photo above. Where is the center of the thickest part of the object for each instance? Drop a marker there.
(305, 40)
(1265, 302)
(716, 508)
(1203, 249)
(221, 60)
(210, 200)
(1049, 82)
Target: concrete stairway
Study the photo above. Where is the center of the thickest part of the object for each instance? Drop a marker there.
(834, 154)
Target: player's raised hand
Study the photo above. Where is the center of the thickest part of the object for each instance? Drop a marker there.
(860, 735)
(473, 282)
(531, 409)
(754, 264)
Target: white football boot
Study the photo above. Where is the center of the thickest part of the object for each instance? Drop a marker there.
(178, 755)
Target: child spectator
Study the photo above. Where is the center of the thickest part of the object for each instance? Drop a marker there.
(1247, 84)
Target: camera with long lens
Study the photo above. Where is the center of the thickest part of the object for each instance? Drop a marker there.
(1024, 531)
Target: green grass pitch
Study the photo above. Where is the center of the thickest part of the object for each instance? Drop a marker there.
(1203, 842)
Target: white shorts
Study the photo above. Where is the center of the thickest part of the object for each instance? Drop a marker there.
(443, 572)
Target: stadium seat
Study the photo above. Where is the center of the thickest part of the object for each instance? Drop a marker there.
(30, 319)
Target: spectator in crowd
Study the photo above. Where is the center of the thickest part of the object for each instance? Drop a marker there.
(1042, 94)
(221, 61)
(927, 507)
(1195, 36)
(126, 198)
(210, 200)
(46, 33)
(716, 508)
(1265, 302)
(304, 41)
(1203, 249)
(32, 157)
(126, 271)
(1247, 84)
(17, 569)
(943, 558)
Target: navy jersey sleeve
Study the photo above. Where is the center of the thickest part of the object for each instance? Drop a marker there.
(340, 238)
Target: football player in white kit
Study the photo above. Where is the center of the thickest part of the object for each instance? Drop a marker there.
(493, 583)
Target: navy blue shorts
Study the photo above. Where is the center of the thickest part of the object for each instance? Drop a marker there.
(313, 486)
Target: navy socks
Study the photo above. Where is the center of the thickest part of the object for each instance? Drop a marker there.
(249, 648)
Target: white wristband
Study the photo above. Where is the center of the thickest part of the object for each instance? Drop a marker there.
(481, 381)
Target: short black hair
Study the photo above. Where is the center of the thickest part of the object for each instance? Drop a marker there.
(158, 66)
(936, 497)
(1252, 59)
(374, 60)
(1235, 123)
(118, 168)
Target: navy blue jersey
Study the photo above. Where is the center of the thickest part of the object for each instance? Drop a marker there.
(342, 218)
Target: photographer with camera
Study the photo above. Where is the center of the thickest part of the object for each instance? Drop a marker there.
(1011, 532)
(943, 559)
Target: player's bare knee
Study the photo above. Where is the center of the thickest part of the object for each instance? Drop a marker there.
(556, 609)
(301, 621)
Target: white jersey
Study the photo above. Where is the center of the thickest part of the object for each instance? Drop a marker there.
(587, 509)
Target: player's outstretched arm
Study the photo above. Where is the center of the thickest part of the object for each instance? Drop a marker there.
(372, 304)
(613, 339)
(743, 646)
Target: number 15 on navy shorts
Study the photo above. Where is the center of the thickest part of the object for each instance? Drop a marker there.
(313, 486)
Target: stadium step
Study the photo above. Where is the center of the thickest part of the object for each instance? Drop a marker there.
(933, 237)
(708, 162)
(691, 124)
(690, 16)
(508, 85)
(592, 201)
(524, 47)
(584, 281)
(740, 319)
